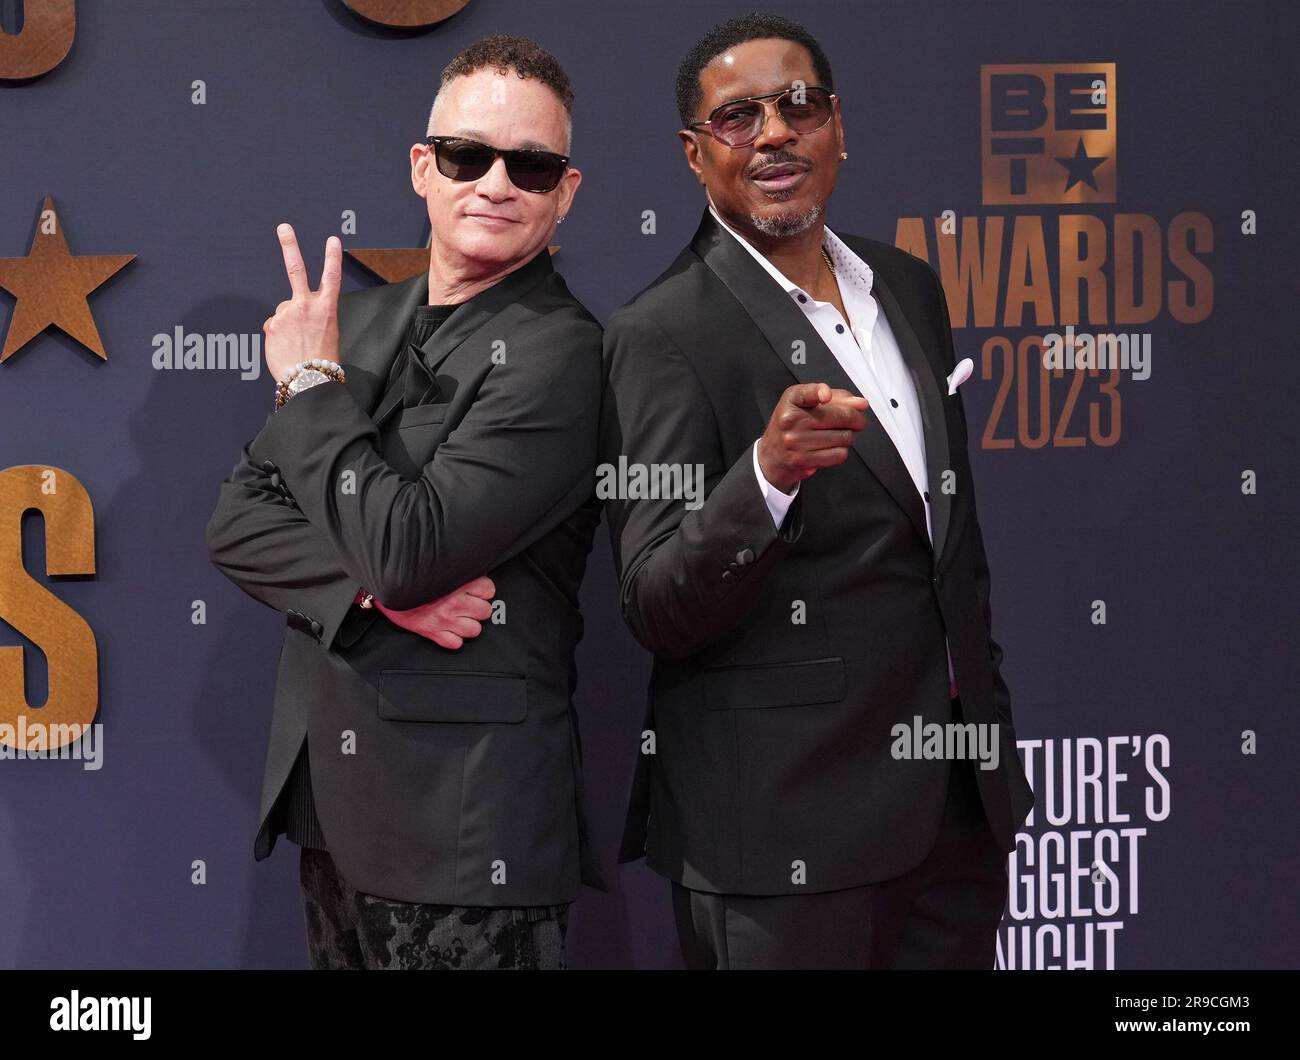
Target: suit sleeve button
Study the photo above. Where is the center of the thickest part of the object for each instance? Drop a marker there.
(727, 576)
(744, 556)
(317, 629)
(267, 465)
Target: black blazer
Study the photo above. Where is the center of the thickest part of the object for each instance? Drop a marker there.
(783, 658)
(448, 777)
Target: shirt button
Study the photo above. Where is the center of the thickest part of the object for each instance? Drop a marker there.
(893, 402)
(926, 495)
(803, 298)
(839, 328)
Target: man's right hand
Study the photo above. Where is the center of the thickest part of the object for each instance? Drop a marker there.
(811, 427)
(450, 619)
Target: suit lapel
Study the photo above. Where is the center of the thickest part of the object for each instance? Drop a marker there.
(372, 327)
(783, 324)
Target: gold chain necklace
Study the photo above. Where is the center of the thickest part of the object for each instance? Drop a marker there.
(827, 258)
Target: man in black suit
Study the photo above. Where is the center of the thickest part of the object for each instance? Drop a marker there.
(433, 452)
(830, 596)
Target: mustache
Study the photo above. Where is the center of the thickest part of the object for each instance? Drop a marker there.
(777, 158)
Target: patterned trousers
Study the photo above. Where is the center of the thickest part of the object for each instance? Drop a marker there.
(347, 928)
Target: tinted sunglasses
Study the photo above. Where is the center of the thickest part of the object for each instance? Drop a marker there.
(739, 122)
(462, 159)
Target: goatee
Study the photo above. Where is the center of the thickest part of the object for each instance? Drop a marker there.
(787, 224)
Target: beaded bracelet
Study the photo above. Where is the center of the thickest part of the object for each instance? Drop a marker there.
(325, 367)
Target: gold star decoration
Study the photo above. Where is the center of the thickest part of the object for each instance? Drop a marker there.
(392, 265)
(52, 285)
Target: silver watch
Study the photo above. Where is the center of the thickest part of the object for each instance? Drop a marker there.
(305, 380)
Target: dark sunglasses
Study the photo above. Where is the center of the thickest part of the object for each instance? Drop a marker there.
(462, 159)
(739, 122)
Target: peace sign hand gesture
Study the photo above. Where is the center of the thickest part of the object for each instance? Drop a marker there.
(305, 327)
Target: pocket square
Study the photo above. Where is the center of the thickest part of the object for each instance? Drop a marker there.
(421, 385)
(960, 374)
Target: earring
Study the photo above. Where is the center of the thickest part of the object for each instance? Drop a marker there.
(844, 154)
(559, 220)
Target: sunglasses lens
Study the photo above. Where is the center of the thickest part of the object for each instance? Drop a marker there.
(529, 172)
(739, 124)
(808, 111)
(463, 161)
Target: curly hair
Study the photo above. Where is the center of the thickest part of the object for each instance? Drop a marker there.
(753, 26)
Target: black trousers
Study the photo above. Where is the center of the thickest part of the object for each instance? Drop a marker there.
(942, 914)
(347, 928)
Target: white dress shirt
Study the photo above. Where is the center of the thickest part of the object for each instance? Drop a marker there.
(868, 352)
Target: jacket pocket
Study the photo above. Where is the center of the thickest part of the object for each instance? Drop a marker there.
(422, 414)
(789, 684)
(449, 696)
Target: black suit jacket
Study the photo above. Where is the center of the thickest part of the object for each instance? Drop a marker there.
(783, 658)
(450, 777)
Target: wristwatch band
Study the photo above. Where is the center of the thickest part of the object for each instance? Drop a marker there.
(306, 374)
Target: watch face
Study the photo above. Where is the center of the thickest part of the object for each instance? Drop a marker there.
(306, 378)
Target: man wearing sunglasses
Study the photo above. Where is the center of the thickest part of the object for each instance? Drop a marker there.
(420, 507)
(833, 586)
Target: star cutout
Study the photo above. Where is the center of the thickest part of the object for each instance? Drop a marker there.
(392, 265)
(1080, 167)
(52, 284)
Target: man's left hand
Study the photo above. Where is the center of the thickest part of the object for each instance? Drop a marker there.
(450, 619)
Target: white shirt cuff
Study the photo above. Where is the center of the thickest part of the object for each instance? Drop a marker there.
(778, 503)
